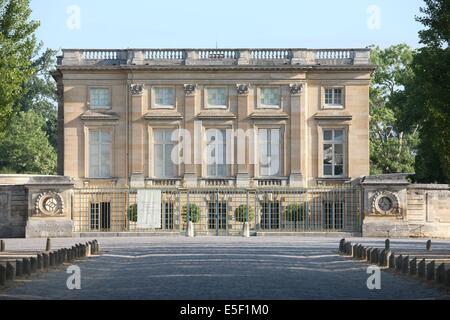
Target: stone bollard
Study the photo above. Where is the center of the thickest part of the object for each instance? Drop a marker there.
(440, 274)
(88, 249)
(359, 253)
(342, 246)
(387, 244)
(10, 271)
(413, 267)
(52, 261)
(398, 263)
(384, 258)
(19, 268)
(369, 254)
(375, 253)
(364, 254)
(83, 250)
(2, 275)
(2, 246)
(45, 260)
(26, 267)
(33, 264)
(429, 245)
(48, 245)
(40, 262)
(392, 259)
(246, 230)
(405, 265)
(354, 251)
(431, 270)
(421, 268)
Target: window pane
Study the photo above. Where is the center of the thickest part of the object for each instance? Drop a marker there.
(328, 154)
(338, 96)
(164, 96)
(100, 98)
(338, 170)
(339, 135)
(270, 96)
(106, 136)
(169, 164)
(159, 160)
(328, 96)
(328, 170)
(328, 135)
(217, 96)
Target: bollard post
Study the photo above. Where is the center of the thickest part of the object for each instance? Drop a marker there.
(342, 246)
(2, 275)
(382, 258)
(429, 245)
(375, 256)
(413, 267)
(10, 271)
(392, 260)
(51, 259)
(33, 265)
(19, 268)
(364, 254)
(40, 264)
(88, 249)
(431, 271)
(26, 267)
(45, 260)
(2, 246)
(387, 244)
(354, 251)
(440, 273)
(369, 254)
(398, 263)
(48, 245)
(405, 265)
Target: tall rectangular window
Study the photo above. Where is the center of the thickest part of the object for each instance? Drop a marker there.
(100, 154)
(269, 153)
(101, 216)
(216, 153)
(217, 97)
(164, 97)
(100, 98)
(334, 97)
(165, 166)
(333, 152)
(269, 97)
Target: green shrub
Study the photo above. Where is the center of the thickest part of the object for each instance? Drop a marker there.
(194, 213)
(294, 213)
(241, 212)
(132, 213)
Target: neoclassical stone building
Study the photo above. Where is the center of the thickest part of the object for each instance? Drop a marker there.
(234, 117)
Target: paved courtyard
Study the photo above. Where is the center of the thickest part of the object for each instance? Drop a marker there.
(220, 268)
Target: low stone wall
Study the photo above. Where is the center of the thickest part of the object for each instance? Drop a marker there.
(35, 206)
(395, 208)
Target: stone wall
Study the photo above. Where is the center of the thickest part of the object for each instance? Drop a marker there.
(35, 206)
(393, 207)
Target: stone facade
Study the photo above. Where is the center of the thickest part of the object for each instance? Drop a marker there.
(132, 76)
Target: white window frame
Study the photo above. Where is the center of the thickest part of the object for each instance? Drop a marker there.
(91, 106)
(226, 147)
(281, 151)
(100, 159)
(260, 105)
(334, 142)
(154, 105)
(333, 105)
(153, 146)
(222, 107)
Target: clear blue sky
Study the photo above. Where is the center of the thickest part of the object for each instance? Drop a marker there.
(230, 23)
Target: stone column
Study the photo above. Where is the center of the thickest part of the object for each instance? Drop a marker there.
(297, 138)
(190, 166)
(137, 133)
(243, 147)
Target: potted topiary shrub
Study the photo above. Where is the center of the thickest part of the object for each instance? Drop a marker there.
(294, 214)
(132, 216)
(240, 214)
(194, 213)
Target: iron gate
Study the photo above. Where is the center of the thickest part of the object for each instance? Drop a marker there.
(223, 211)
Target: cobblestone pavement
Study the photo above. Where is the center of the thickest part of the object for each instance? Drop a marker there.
(220, 268)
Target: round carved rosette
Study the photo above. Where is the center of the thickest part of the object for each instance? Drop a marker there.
(49, 204)
(385, 203)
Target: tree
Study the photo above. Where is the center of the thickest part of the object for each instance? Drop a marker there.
(429, 93)
(25, 147)
(17, 45)
(393, 140)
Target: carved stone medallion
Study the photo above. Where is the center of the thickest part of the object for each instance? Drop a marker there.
(49, 204)
(385, 203)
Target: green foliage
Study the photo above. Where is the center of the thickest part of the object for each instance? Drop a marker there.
(241, 214)
(133, 213)
(194, 213)
(429, 93)
(17, 45)
(393, 141)
(25, 147)
(294, 213)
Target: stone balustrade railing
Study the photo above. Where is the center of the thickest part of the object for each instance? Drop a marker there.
(308, 57)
